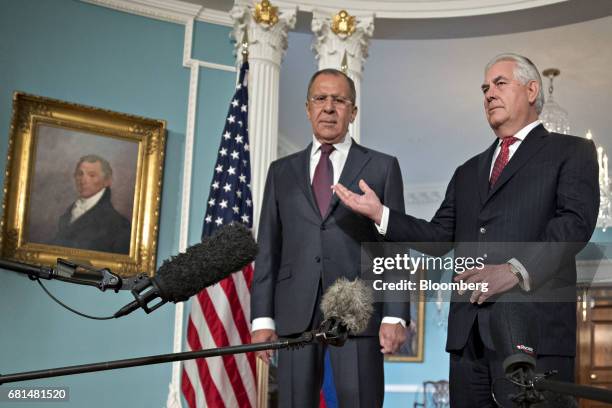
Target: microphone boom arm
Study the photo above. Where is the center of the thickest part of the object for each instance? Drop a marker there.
(304, 339)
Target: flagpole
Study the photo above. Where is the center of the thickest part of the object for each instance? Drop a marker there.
(261, 367)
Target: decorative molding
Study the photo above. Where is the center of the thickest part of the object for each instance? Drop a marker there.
(266, 42)
(424, 193)
(412, 9)
(594, 272)
(173, 11)
(329, 48)
(404, 388)
(180, 11)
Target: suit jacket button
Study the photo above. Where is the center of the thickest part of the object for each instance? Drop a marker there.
(322, 227)
(317, 259)
(483, 230)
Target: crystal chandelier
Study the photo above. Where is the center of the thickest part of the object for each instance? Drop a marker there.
(604, 218)
(554, 117)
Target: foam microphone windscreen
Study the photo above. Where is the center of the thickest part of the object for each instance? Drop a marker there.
(350, 302)
(228, 250)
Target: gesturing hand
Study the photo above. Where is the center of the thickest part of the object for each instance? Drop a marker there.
(367, 204)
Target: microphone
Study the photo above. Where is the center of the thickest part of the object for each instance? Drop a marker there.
(229, 249)
(347, 308)
(514, 336)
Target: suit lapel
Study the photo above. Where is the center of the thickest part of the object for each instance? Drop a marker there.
(357, 158)
(484, 170)
(533, 142)
(301, 167)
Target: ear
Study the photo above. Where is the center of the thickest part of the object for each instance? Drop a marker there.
(353, 114)
(533, 90)
(307, 111)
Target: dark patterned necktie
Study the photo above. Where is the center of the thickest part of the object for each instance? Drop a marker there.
(502, 159)
(323, 179)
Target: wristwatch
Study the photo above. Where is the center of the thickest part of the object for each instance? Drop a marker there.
(516, 273)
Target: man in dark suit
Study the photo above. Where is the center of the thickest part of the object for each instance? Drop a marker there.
(307, 241)
(535, 189)
(91, 222)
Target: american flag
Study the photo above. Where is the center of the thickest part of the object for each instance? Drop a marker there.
(220, 314)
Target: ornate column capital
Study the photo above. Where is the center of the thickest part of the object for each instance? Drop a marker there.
(266, 27)
(335, 35)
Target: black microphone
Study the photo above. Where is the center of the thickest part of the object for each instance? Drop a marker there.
(202, 265)
(347, 309)
(515, 335)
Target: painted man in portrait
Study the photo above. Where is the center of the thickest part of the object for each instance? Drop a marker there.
(91, 222)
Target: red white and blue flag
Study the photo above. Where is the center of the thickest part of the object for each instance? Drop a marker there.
(220, 314)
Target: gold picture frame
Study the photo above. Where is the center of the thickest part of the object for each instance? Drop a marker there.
(413, 348)
(49, 140)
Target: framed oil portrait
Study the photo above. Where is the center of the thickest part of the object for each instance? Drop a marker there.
(412, 349)
(83, 184)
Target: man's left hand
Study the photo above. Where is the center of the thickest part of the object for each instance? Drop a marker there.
(391, 336)
(499, 279)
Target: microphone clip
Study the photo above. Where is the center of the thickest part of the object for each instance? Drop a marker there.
(332, 332)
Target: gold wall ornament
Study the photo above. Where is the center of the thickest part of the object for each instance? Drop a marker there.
(343, 24)
(48, 137)
(265, 13)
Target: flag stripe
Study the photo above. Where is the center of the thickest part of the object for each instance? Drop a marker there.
(212, 396)
(243, 297)
(230, 336)
(220, 338)
(187, 388)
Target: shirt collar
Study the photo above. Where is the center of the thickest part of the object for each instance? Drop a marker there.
(522, 134)
(343, 147)
(91, 201)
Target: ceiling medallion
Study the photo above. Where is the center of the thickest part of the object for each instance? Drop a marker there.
(265, 13)
(343, 24)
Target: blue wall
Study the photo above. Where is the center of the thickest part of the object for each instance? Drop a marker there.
(434, 366)
(92, 55)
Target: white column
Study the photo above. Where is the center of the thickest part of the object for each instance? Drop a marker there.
(330, 48)
(267, 45)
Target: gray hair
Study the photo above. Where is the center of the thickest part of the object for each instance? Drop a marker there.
(524, 71)
(94, 158)
(335, 72)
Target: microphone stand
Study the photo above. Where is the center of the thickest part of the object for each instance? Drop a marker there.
(332, 331)
(532, 384)
(304, 339)
(72, 272)
(575, 390)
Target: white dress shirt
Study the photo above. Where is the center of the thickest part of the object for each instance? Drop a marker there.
(82, 205)
(338, 159)
(525, 284)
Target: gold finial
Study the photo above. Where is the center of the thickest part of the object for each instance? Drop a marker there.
(265, 13)
(343, 24)
(244, 45)
(344, 63)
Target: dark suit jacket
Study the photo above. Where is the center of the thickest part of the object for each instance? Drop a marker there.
(101, 228)
(298, 248)
(548, 198)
